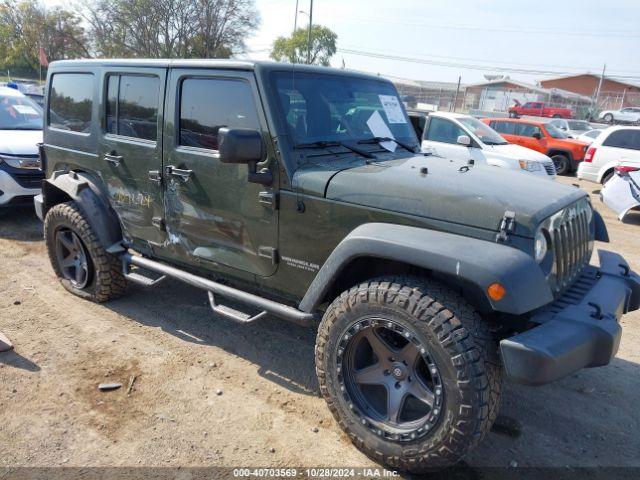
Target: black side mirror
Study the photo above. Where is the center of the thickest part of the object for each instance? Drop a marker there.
(537, 136)
(242, 145)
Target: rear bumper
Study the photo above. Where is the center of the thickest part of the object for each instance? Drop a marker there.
(579, 330)
(587, 171)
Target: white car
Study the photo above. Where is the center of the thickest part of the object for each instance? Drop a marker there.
(590, 136)
(573, 128)
(20, 132)
(614, 146)
(624, 115)
(622, 193)
(463, 137)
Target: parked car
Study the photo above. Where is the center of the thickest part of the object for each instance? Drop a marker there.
(300, 192)
(463, 137)
(20, 133)
(622, 192)
(573, 128)
(629, 115)
(613, 147)
(539, 109)
(590, 136)
(565, 152)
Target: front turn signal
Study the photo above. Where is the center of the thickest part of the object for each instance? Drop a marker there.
(496, 292)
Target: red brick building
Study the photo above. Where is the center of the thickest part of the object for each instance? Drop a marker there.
(613, 93)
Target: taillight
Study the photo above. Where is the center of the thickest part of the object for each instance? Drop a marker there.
(590, 154)
(623, 171)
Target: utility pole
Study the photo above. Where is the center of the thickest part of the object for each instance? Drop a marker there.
(309, 32)
(604, 68)
(455, 100)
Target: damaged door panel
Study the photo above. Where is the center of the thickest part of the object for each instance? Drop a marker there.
(212, 212)
(131, 148)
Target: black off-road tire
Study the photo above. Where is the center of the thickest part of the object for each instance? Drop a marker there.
(463, 346)
(562, 164)
(106, 280)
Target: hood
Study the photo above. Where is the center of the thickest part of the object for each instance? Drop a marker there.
(20, 142)
(573, 142)
(479, 197)
(517, 152)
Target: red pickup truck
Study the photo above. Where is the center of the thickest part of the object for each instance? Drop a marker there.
(539, 109)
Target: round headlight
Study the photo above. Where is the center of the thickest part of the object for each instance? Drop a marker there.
(540, 247)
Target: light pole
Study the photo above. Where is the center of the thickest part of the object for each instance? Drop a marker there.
(309, 32)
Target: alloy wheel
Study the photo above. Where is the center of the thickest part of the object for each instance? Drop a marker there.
(389, 379)
(72, 257)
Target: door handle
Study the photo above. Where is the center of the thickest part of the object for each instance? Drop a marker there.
(185, 175)
(116, 160)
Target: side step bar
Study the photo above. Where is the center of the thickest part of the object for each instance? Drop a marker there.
(214, 288)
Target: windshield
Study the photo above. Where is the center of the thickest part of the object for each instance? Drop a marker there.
(555, 132)
(579, 125)
(483, 131)
(328, 108)
(19, 113)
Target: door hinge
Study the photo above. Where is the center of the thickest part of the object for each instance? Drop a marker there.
(268, 199)
(155, 176)
(269, 252)
(159, 223)
(507, 226)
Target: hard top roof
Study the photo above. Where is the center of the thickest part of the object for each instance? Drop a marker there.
(227, 64)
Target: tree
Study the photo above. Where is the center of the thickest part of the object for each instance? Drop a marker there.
(26, 26)
(170, 28)
(294, 48)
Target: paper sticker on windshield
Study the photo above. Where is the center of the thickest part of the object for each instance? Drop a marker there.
(25, 109)
(392, 108)
(380, 129)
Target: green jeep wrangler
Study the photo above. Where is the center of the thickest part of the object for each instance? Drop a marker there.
(299, 192)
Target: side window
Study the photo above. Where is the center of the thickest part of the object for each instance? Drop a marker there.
(71, 102)
(629, 139)
(208, 104)
(508, 128)
(132, 106)
(442, 130)
(527, 130)
(537, 105)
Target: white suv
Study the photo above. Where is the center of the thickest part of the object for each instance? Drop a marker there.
(463, 137)
(614, 146)
(20, 132)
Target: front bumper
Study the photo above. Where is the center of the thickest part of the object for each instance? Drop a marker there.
(578, 330)
(12, 189)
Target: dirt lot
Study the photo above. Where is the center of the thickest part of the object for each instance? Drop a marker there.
(212, 393)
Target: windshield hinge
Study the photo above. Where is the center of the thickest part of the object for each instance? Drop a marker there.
(507, 226)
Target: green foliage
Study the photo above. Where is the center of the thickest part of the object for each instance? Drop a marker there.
(294, 48)
(122, 28)
(25, 26)
(170, 28)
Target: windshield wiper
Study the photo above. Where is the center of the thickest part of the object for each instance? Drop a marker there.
(489, 142)
(388, 139)
(325, 144)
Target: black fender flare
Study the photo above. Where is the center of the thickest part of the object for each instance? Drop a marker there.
(92, 201)
(478, 262)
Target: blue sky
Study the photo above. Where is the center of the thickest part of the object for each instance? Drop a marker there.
(558, 35)
(551, 35)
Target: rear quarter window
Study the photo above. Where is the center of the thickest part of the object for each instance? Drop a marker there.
(629, 139)
(71, 102)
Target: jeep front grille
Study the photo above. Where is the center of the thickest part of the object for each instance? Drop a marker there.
(571, 244)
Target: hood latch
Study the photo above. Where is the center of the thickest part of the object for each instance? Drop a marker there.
(507, 226)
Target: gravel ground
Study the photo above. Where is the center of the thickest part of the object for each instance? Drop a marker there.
(208, 392)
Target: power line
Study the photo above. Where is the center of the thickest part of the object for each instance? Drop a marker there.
(556, 31)
(467, 66)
